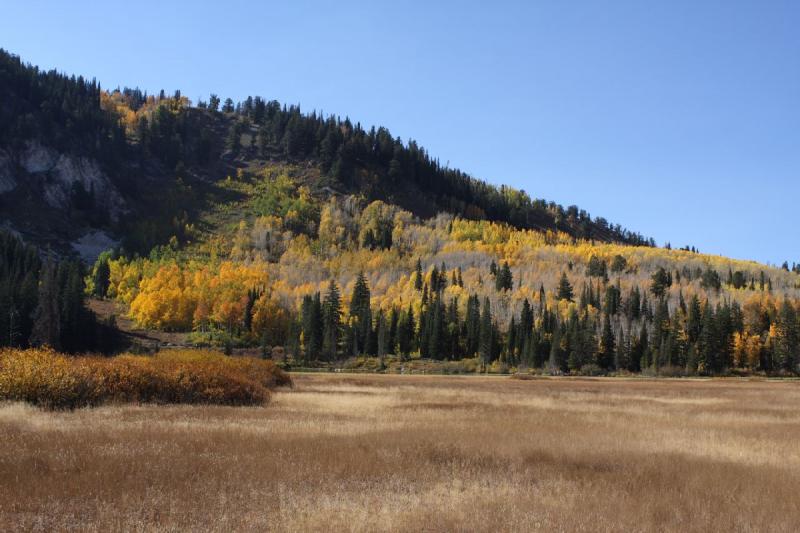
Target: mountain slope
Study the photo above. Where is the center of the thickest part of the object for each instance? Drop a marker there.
(259, 226)
(94, 160)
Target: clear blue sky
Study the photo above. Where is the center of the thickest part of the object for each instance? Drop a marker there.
(678, 119)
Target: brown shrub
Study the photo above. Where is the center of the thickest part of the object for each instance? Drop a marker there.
(44, 377)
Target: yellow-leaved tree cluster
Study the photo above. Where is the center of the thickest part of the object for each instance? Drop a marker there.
(261, 282)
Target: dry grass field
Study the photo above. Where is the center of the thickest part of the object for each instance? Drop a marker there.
(417, 453)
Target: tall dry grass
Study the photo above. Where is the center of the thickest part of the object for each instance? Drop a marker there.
(408, 453)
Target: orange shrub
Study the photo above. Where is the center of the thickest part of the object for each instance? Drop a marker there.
(44, 377)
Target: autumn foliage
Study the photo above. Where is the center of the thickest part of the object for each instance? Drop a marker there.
(47, 378)
(452, 288)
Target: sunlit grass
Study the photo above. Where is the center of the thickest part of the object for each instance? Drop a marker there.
(417, 453)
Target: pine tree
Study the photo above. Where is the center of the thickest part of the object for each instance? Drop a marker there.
(391, 340)
(100, 274)
(405, 332)
(434, 280)
(331, 322)
(787, 343)
(77, 323)
(312, 327)
(564, 288)
(486, 339)
(213, 102)
(511, 341)
(382, 334)
(473, 325)
(621, 354)
(660, 282)
(504, 280)
(361, 314)
(611, 301)
(453, 330)
(436, 330)
(597, 268)
(418, 277)
(707, 342)
(634, 304)
(555, 362)
(526, 320)
(607, 346)
(47, 317)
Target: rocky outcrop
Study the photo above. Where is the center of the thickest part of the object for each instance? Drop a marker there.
(92, 244)
(59, 173)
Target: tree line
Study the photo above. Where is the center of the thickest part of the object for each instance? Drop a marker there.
(59, 110)
(42, 302)
(605, 331)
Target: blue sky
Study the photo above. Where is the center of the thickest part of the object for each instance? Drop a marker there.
(677, 119)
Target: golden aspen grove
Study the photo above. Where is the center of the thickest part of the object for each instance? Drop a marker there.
(250, 285)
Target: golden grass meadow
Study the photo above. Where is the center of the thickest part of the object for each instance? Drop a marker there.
(416, 453)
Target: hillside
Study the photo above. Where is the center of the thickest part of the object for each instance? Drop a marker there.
(256, 225)
(91, 160)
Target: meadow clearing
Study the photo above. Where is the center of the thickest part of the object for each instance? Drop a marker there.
(417, 453)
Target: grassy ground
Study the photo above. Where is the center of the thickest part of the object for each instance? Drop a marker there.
(377, 452)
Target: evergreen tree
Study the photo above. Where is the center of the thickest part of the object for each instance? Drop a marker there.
(607, 346)
(564, 288)
(391, 340)
(504, 280)
(76, 323)
(526, 320)
(555, 363)
(707, 346)
(473, 325)
(511, 342)
(382, 334)
(787, 343)
(405, 332)
(486, 339)
(621, 354)
(436, 330)
(312, 326)
(418, 277)
(453, 331)
(331, 322)
(361, 314)
(619, 264)
(434, 280)
(660, 282)
(597, 267)
(100, 274)
(634, 304)
(47, 317)
(612, 299)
